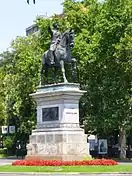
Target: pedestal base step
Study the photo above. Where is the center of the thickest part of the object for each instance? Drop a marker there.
(56, 157)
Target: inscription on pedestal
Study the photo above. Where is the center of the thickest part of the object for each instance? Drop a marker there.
(50, 114)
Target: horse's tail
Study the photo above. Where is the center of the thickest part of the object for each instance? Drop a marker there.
(43, 58)
(44, 55)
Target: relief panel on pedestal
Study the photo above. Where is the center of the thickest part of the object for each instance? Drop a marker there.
(50, 114)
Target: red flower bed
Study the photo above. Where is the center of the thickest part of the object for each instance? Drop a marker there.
(96, 162)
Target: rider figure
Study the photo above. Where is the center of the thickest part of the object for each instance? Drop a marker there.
(55, 39)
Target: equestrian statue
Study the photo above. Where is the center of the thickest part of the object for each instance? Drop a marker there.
(59, 53)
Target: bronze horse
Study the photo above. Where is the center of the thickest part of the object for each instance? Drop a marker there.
(62, 54)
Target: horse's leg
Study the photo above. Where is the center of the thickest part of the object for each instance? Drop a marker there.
(55, 74)
(41, 73)
(63, 71)
(46, 68)
(74, 69)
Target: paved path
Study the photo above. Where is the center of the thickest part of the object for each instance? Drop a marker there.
(6, 161)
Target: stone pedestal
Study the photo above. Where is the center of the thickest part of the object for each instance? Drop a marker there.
(58, 135)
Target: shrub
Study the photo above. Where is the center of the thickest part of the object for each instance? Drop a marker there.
(3, 153)
(8, 142)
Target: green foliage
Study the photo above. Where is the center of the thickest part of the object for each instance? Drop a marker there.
(8, 142)
(109, 85)
(21, 77)
(3, 153)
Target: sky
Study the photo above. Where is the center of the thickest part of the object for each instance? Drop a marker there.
(17, 15)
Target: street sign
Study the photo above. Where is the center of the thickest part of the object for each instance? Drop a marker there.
(4, 129)
(11, 129)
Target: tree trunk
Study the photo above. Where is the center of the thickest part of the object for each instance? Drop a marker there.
(122, 143)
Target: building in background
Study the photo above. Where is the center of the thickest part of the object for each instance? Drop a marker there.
(34, 28)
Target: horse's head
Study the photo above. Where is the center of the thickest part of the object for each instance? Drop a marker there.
(69, 36)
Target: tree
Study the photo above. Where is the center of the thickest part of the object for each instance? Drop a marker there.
(5, 65)
(124, 58)
(107, 104)
(1, 99)
(20, 79)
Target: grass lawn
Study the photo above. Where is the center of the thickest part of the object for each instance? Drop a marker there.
(118, 168)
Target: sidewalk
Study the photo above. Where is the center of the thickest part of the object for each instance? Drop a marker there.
(7, 161)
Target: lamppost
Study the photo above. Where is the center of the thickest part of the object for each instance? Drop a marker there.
(29, 0)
